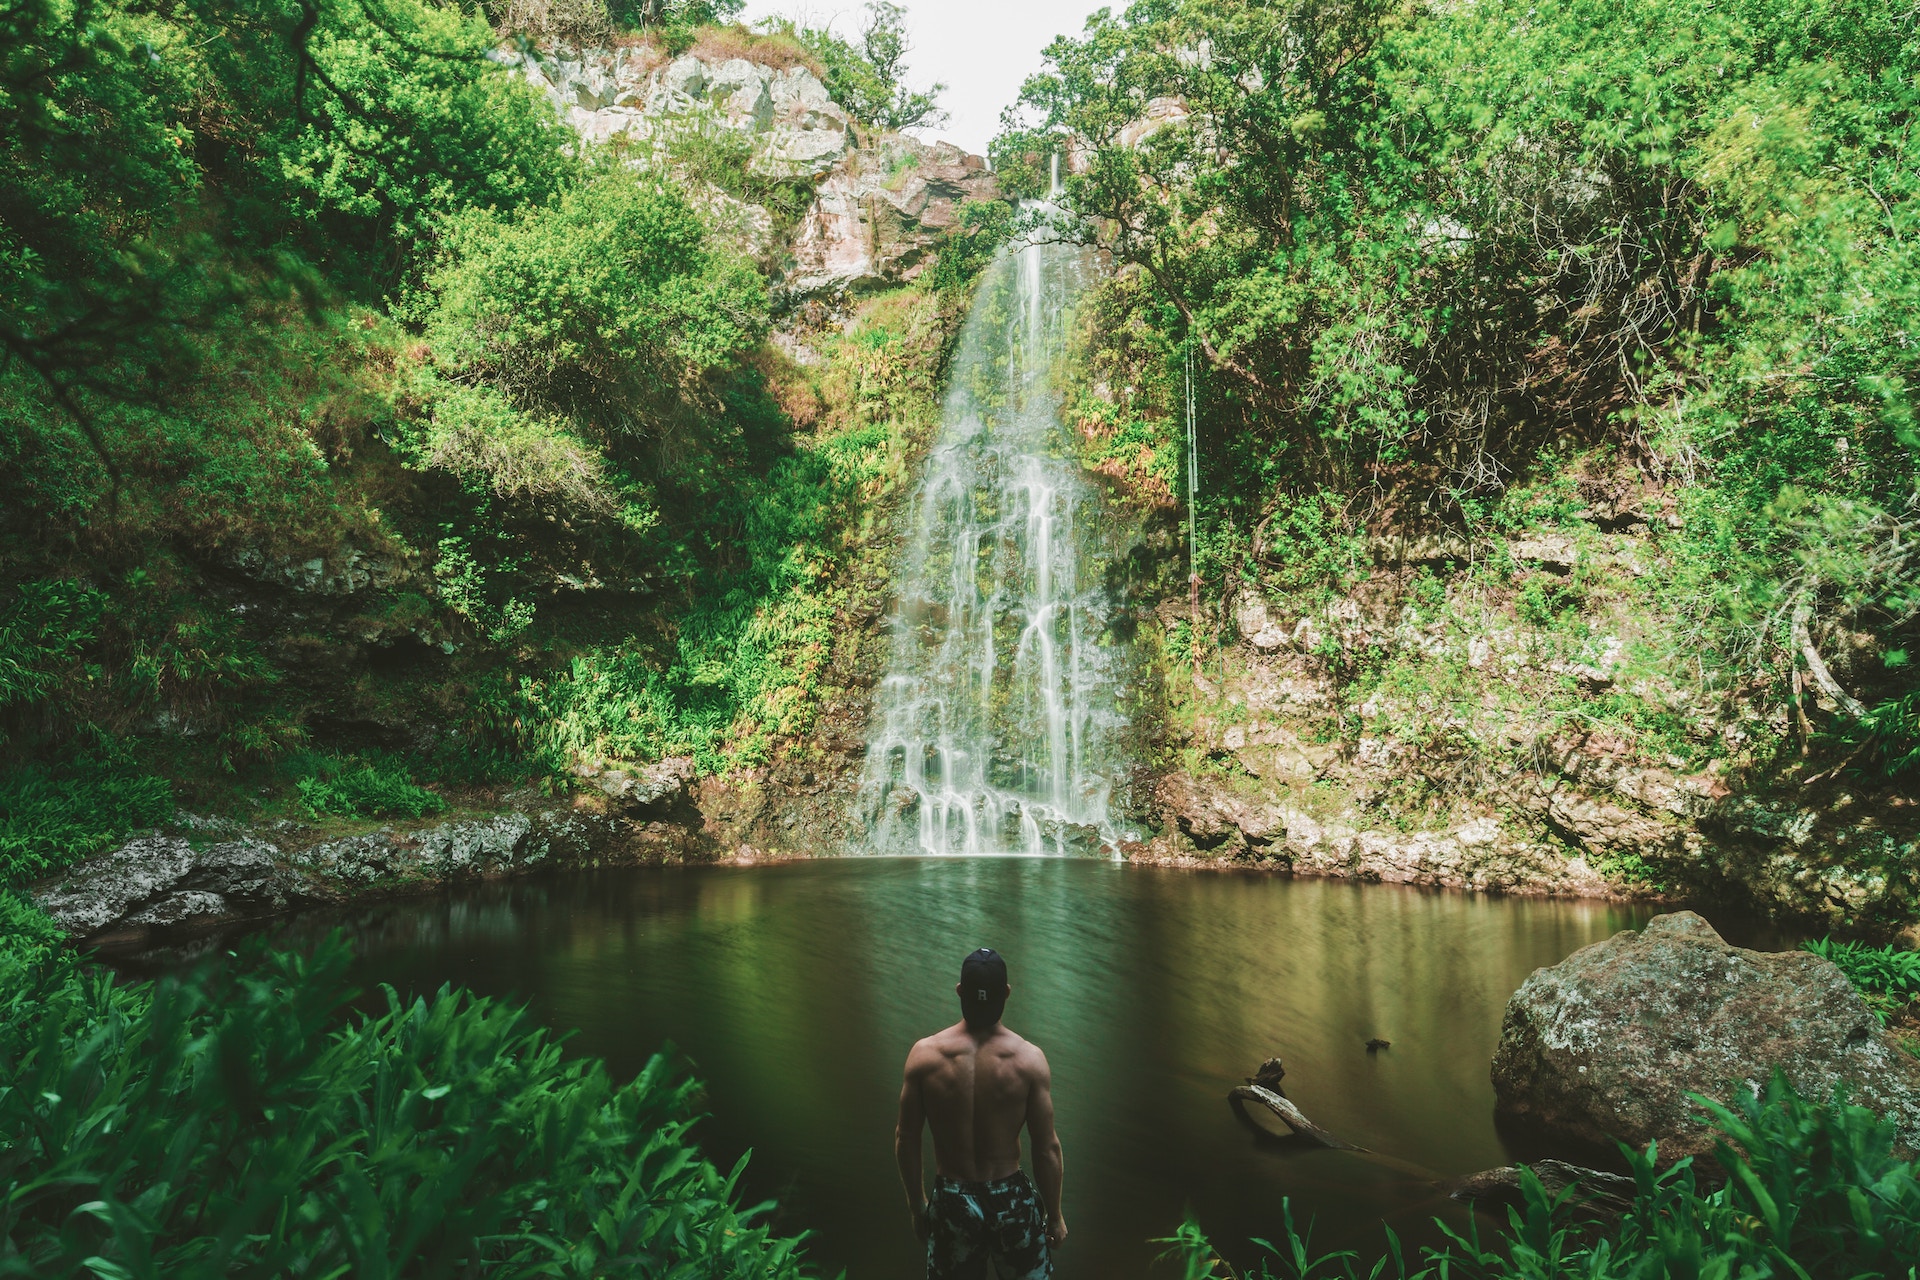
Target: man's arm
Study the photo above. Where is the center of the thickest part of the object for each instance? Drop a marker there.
(1049, 1162)
(906, 1149)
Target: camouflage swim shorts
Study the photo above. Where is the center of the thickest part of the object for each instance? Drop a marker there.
(975, 1224)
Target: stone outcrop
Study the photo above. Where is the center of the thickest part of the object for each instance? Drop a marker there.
(1608, 1044)
(176, 880)
(160, 881)
(881, 202)
(1216, 823)
(637, 94)
(877, 217)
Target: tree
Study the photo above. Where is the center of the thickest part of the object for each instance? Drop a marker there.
(868, 77)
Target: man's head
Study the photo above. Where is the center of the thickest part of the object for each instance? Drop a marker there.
(983, 989)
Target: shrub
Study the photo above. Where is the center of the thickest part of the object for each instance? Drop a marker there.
(49, 821)
(378, 788)
(1810, 1190)
(1889, 979)
(242, 1122)
(41, 633)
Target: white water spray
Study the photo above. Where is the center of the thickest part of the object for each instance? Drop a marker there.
(993, 729)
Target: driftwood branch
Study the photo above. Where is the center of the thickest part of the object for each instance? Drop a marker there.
(1822, 678)
(1604, 1193)
(1248, 1096)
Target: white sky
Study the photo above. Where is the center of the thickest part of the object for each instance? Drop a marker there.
(982, 49)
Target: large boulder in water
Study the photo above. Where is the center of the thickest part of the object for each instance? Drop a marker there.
(1608, 1043)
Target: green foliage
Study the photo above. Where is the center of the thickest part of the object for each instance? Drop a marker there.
(413, 124)
(29, 933)
(983, 226)
(41, 634)
(1889, 734)
(1422, 253)
(1809, 1190)
(1888, 978)
(574, 346)
(243, 1121)
(379, 787)
(50, 820)
(1311, 544)
(766, 567)
(703, 148)
(867, 75)
(346, 134)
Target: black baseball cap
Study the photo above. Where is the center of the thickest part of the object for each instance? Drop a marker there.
(983, 987)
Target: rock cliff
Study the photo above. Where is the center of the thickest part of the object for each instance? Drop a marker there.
(1417, 728)
(879, 201)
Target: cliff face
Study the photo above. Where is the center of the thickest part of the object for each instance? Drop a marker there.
(1433, 723)
(878, 202)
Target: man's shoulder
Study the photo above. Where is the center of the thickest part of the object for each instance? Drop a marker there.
(1024, 1052)
(931, 1050)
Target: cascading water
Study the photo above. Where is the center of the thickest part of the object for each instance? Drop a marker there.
(994, 729)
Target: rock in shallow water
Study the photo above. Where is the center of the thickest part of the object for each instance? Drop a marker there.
(1608, 1043)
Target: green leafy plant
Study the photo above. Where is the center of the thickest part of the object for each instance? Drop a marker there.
(50, 820)
(243, 1120)
(867, 74)
(1888, 978)
(377, 788)
(41, 633)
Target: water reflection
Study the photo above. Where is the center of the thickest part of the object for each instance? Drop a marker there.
(796, 991)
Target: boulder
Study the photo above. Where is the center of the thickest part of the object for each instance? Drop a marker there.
(164, 880)
(658, 792)
(1608, 1044)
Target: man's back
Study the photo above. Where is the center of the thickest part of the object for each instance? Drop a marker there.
(975, 1093)
(976, 1085)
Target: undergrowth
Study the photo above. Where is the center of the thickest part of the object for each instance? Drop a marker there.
(1888, 978)
(1805, 1189)
(373, 787)
(50, 820)
(241, 1120)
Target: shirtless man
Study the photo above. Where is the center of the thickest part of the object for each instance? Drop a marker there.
(976, 1084)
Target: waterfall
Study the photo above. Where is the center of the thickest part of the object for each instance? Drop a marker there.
(993, 731)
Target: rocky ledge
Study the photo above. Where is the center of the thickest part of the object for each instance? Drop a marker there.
(197, 873)
(1609, 1044)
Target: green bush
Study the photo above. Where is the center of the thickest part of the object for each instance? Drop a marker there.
(41, 634)
(242, 1122)
(29, 933)
(1809, 1191)
(574, 346)
(48, 821)
(1889, 979)
(378, 788)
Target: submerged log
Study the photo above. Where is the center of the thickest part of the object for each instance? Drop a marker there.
(1261, 1107)
(1607, 1193)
